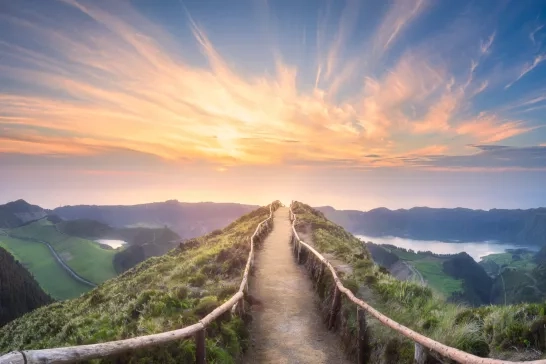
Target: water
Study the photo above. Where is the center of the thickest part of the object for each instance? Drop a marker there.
(113, 243)
(476, 250)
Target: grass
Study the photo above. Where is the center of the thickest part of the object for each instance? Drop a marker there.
(518, 261)
(431, 269)
(85, 257)
(433, 272)
(160, 294)
(499, 330)
(37, 258)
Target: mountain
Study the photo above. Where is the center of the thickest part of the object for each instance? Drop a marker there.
(459, 224)
(19, 212)
(19, 292)
(188, 220)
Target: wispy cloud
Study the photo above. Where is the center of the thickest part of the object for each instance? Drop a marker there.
(122, 85)
(528, 67)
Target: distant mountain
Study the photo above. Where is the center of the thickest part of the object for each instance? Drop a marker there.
(459, 224)
(188, 220)
(19, 212)
(19, 292)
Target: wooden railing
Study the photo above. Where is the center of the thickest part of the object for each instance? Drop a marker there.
(73, 354)
(423, 344)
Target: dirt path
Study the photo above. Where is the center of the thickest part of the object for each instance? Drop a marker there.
(286, 326)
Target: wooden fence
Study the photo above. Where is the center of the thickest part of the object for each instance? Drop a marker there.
(73, 354)
(423, 344)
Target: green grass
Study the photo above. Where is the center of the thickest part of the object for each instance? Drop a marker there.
(160, 294)
(437, 279)
(431, 269)
(499, 330)
(85, 257)
(37, 258)
(507, 260)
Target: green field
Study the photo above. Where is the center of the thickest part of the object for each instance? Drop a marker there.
(524, 262)
(85, 257)
(37, 258)
(436, 278)
(431, 269)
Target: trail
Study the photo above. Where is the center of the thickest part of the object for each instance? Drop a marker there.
(287, 327)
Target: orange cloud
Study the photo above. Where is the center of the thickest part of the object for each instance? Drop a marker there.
(488, 129)
(122, 86)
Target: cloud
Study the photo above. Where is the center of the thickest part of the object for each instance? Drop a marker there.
(398, 17)
(493, 158)
(528, 67)
(122, 84)
(489, 129)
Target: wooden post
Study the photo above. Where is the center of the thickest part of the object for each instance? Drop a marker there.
(200, 348)
(421, 354)
(362, 335)
(336, 303)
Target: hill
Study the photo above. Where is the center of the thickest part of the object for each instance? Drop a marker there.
(19, 292)
(160, 294)
(188, 220)
(458, 224)
(504, 332)
(19, 212)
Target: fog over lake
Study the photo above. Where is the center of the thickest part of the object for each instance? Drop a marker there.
(476, 250)
(112, 242)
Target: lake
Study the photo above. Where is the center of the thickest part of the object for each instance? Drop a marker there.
(476, 250)
(113, 243)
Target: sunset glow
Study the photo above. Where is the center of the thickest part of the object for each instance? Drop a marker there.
(140, 96)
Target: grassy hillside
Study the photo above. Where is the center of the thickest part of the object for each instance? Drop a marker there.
(19, 292)
(37, 258)
(85, 257)
(160, 294)
(500, 331)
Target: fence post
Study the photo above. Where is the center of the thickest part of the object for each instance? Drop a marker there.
(200, 347)
(421, 354)
(363, 340)
(336, 303)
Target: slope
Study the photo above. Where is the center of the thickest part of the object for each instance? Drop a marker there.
(160, 294)
(19, 292)
(501, 331)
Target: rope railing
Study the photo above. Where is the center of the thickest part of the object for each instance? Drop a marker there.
(423, 344)
(73, 354)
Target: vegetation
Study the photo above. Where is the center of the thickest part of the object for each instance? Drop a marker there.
(483, 331)
(433, 273)
(160, 294)
(85, 257)
(19, 292)
(520, 259)
(37, 258)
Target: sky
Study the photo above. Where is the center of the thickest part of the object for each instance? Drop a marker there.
(350, 103)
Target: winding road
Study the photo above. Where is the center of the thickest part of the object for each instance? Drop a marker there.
(59, 260)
